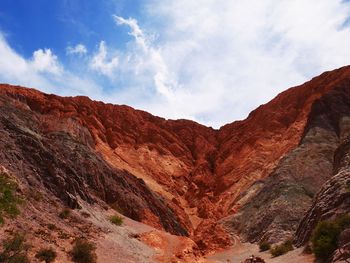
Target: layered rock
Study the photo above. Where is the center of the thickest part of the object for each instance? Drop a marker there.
(41, 152)
(332, 202)
(278, 202)
(179, 175)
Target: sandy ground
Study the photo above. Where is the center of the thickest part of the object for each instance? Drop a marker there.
(241, 251)
(134, 242)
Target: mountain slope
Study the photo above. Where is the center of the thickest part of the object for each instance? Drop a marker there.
(284, 197)
(178, 175)
(331, 203)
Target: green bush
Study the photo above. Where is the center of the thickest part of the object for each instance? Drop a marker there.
(325, 236)
(46, 254)
(15, 250)
(8, 198)
(83, 252)
(65, 213)
(264, 246)
(282, 249)
(343, 221)
(117, 220)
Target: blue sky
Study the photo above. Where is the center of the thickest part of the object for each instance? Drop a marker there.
(212, 61)
(57, 23)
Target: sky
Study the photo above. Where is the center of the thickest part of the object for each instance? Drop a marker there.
(212, 61)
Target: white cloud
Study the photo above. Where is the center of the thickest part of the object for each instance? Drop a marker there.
(147, 59)
(136, 31)
(79, 49)
(15, 69)
(44, 72)
(227, 57)
(45, 61)
(102, 64)
(211, 60)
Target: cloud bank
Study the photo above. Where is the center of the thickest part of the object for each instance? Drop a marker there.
(210, 61)
(42, 71)
(230, 56)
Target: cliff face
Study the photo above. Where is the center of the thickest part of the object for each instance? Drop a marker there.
(178, 175)
(274, 211)
(58, 154)
(330, 203)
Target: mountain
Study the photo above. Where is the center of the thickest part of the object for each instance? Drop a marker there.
(269, 177)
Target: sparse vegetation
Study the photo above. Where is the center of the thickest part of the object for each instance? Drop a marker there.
(15, 250)
(343, 221)
(325, 237)
(116, 220)
(8, 198)
(83, 252)
(65, 213)
(46, 254)
(281, 249)
(264, 246)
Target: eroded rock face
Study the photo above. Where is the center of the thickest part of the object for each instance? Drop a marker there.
(332, 201)
(343, 252)
(180, 175)
(251, 149)
(66, 164)
(281, 200)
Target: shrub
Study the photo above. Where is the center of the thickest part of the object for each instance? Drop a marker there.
(117, 220)
(15, 250)
(325, 236)
(65, 213)
(8, 198)
(343, 221)
(83, 252)
(47, 254)
(264, 246)
(324, 239)
(282, 249)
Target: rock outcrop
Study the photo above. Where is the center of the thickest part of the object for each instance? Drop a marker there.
(332, 202)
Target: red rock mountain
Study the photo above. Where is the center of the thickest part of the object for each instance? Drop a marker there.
(178, 175)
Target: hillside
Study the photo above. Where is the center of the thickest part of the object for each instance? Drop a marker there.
(255, 178)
